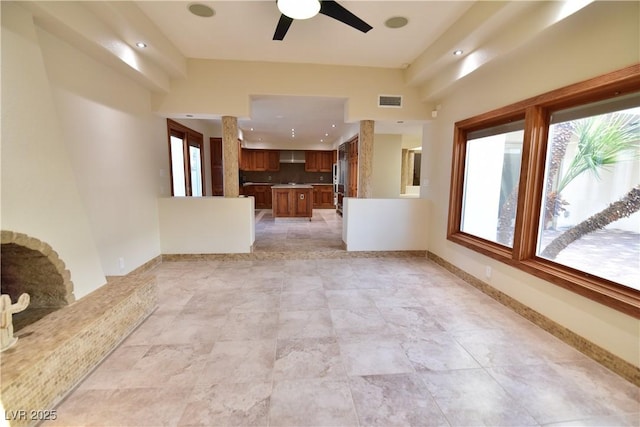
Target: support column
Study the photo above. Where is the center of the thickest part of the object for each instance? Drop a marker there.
(230, 156)
(411, 167)
(365, 159)
(404, 174)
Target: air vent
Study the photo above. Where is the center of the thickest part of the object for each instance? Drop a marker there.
(390, 101)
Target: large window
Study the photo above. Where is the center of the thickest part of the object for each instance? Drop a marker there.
(186, 155)
(551, 185)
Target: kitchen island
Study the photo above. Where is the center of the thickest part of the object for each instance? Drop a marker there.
(292, 200)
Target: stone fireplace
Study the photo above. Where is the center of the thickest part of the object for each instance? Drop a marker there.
(54, 354)
(32, 266)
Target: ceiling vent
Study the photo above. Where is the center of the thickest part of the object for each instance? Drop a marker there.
(390, 101)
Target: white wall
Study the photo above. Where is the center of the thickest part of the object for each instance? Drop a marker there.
(40, 196)
(385, 224)
(206, 225)
(576, 49)
(387, 166)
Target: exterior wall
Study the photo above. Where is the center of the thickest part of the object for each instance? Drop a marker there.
(574, 50)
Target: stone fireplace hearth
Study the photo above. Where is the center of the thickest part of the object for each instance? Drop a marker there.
(32, 266)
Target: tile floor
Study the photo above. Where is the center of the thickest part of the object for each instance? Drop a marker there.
(340, 342)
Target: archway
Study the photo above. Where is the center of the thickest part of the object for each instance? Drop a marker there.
(32, 266)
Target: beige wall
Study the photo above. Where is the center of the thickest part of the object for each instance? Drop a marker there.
(387, 166)
(40, 196)
(83, 152)
(117, 149)
(601, 38)
(223, 88)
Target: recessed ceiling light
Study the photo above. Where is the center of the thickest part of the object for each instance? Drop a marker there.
(326, 134)
(458, 52)
(333, 126)
(322, 140)
(141, 45)
(396, 22)
(251, 128)
(201, 10)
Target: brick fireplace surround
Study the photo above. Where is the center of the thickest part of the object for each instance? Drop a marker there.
(53, 355)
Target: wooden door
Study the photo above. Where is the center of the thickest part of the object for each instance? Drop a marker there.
(217, 169)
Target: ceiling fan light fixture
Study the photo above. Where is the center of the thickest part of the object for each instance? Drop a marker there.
(299, 9)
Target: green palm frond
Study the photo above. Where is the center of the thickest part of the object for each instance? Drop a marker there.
(601, 141)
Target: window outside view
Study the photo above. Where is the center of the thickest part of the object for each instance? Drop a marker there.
(491, 184)
(196, 171)
(177, 168)
(590, 217)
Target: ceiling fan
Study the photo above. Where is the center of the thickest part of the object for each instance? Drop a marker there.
(299, 9)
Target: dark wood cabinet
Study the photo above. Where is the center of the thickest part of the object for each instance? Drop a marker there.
(261, 194)
(217, 173)
(319, 161)
(260, 160)
(292, 202)
(352, 160)
(323, 196)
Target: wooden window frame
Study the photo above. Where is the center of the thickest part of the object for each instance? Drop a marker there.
(537, 112)
(192, 138)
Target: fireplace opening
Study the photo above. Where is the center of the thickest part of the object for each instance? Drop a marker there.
(31, 266)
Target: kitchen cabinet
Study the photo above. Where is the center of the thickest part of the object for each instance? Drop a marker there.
(292, 201)
(261, 193)
(319, 161)
(352, 170)
(217, 173)
(260, 160)
(323, 196)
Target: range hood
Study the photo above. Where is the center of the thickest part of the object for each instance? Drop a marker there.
(292, 156)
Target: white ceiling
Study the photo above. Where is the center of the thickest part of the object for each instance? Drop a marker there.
(243, 30)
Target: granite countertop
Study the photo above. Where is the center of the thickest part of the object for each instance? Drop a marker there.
(292, 186)
(288, 185)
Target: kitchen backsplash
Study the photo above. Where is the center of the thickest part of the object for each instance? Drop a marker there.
(289, 172)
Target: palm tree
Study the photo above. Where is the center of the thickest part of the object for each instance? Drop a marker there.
(602, 140)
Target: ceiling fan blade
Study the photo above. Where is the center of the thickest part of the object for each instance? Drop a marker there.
(283, 26)
(335, 11)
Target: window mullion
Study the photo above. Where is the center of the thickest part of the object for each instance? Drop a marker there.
(531, 184)
(187, 165)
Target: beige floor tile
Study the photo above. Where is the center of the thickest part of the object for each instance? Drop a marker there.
(394, 400)
(305, 324)
(312, 402)
(308, 358)
(374, 358)
(557, 392)
(244, 404)
(349, 341)
(239, 362)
